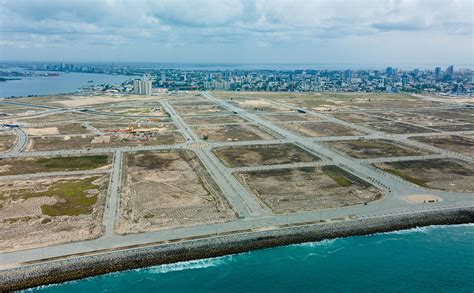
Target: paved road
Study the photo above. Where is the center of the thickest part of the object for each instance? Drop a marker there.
(280, 166)
(239, 198)
(253, 215)
(21, 142)
(113, 195)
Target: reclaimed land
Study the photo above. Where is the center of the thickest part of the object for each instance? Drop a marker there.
(81, 266)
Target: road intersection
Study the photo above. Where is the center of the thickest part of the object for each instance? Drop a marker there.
(252, 213)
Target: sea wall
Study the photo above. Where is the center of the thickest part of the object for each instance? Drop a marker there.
(72, 268)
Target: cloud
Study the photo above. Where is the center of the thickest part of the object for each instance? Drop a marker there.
(228, 23)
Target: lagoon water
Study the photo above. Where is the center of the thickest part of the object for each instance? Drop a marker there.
(64, 83)
(430, 259)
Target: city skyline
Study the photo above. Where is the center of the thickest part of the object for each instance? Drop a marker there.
(239, 32)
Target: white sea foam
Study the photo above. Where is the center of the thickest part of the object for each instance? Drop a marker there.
(426, 229)
(324, 242)
(190, 265)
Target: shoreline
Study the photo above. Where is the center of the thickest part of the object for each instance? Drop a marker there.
(81, 266)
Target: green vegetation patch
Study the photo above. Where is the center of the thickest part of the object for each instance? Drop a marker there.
(337, 175)
(72, 196)
(417, 181)
(22, 166)
(74, 163)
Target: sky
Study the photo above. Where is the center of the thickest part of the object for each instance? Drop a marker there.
(239, 31)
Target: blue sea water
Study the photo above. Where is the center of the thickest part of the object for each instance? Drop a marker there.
(64, 83)
(434, 259)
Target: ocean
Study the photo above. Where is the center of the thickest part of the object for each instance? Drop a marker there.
(428, 259)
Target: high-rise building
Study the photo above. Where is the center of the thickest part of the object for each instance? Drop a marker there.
(449, 72)
(348, 74)
(142, 87)
(389, 71)
(438, 73)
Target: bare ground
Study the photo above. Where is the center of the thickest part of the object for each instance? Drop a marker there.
(168, 190)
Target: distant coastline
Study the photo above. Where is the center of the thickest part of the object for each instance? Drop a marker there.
(3, 79)
(81, 266)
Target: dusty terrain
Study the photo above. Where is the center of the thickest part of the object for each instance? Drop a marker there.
(59, 128)
(306, 189)
(397, 128)
(48, 211)
(364, 149)
(186, 110)
(357, 117)
(83, 141)
(168, 190)
(214, 119)
(263, 155)
(7, 139)
(289, 117)
(259, 105)
(231, 132)
(455, 143)
(444, 174)
(321, 129)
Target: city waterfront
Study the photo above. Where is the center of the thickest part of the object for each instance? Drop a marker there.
(63, 83)
(417, 260)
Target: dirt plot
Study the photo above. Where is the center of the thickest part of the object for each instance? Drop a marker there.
(233, 132)
(418, 118)
(48, 211)
(280, 117)
(126, 127)
(192, 102)
(214, 119)
(444, 174)
(455, 127)
(463, 115)
(18, 109)
(7, 140)
(397, 128)
(357, 117)
(168, 190)
(135, 110)
(255, 155)
(337, 101)
(35, 165)
(363, 149)
(306, 189)
(259, 105)
(81, 142)
(459, 144)
(69, 128)
(321, 129)
(199, 110)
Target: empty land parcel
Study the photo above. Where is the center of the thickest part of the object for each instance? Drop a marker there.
(363, 149)
(308, 189)
(47, 211)
(268, 154)
(166, 190)
(444, 174)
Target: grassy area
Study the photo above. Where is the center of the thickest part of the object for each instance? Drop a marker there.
(72, 197)
(73, 163)
(23, 166)
(417, 181)
(336, 174)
